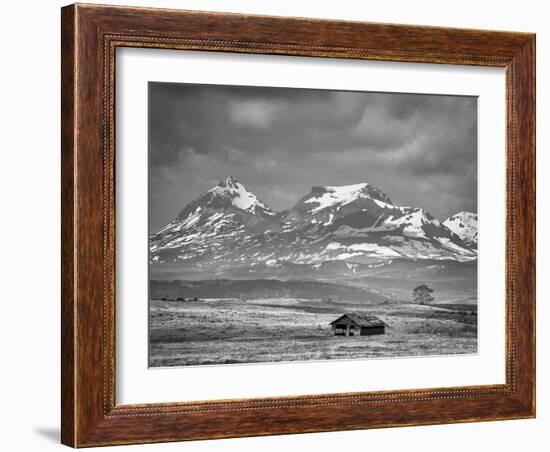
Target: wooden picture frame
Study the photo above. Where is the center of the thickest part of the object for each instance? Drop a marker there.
(90, 36)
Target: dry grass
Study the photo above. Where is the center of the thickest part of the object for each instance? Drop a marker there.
(270, 330)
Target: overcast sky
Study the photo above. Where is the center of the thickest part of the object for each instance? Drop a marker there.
(421, 150)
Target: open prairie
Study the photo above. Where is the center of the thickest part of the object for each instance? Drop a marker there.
(234, 330)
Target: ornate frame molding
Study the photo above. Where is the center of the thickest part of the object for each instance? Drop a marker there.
(90, 37)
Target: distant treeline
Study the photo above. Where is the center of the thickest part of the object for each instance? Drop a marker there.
(167, 298)
(259, 288)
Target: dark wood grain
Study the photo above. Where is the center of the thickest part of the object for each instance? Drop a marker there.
(90, 36)
(68, 244)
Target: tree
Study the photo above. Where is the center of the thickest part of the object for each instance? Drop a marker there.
(423, 294)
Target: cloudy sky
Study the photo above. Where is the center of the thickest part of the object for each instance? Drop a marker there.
(421, 150)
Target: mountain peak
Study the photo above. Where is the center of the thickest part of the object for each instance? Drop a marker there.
(464, 224)
(231, 193)
(330, 195)
(229, 182)
(347, 223)
(228, 193)
(464, 214)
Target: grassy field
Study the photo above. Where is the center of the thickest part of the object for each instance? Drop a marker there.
(225, 331)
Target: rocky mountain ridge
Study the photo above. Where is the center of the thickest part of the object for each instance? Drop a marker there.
(229, 227)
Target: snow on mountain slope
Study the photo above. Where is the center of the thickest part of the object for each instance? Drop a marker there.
(324, 206)
(464, 224)
(228, 227)
(228, 193)
(220, 219)
(413, 221)
(240, 197)
(362, 216)
(323, 197)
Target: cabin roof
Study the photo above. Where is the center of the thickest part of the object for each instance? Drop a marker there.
(361, 319)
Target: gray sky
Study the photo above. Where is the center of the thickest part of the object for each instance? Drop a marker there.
(421, 150)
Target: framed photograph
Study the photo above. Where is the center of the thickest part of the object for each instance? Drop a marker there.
(281, 225)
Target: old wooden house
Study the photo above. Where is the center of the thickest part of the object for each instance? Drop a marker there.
(353, 324)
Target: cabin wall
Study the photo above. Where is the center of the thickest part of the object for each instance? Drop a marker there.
(346, 327)
(347, 324)
(349, 329)
(371, 331)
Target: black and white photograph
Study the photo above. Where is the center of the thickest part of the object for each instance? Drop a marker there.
(292, 224)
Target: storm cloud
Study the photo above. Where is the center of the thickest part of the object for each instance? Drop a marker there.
(419, 149)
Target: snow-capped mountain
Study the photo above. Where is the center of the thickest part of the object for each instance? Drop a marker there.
(215, 221)
(228, 193)
(228, 227)
(360, 220)
(327, 197)
(464, 224)
(324, 204)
